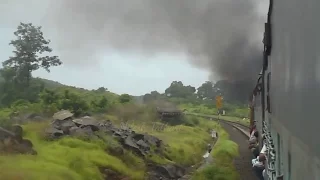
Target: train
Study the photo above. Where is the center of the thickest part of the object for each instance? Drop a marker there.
(286, 96)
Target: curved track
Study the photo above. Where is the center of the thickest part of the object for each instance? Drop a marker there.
(243, 162)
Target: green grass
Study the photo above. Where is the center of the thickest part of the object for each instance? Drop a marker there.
(80, 158)
(227, 118)
(5, 117)
(223, 154)
(198, 108)
(186, 144)
(233, 113)
(65, 159)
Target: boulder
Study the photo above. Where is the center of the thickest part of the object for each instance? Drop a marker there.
(169, 171)
(81, 131)
(130, 144)
(105, 123)
(87, 121)
(152, 140)
(62, 115)
(54, 132)
(13, 143)
(65, 125)
(143, 145)
(17, 130)
(116, 151)
(111, 174)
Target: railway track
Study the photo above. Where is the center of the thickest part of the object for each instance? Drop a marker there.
(239, 134)
(214, 118)
(243, 162)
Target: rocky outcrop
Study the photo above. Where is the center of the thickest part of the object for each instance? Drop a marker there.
(12, 142)
(141, 144)
(111, 174)
(64, 125)
(165, 172)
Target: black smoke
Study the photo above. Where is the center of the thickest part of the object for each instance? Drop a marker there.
(221, 36)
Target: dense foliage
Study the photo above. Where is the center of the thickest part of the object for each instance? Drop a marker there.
(233, 92)
(202, 99)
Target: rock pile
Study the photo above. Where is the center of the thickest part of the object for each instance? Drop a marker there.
(12, 142)
(165, 172)
(65, 124)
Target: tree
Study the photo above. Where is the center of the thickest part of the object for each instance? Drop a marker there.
(124, 98)
(153, 95)
(177, 89)
(29, 45)
(10, 91)
(206, 91)
(74, 102)
(101, 89)
(7, 74)
(100, 105)
(49, 97)
(103, 102)
(7, 89)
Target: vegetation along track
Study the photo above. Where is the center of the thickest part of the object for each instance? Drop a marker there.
(239, 134)
(243, 162)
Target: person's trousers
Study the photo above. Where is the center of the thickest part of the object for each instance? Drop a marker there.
(258, 171)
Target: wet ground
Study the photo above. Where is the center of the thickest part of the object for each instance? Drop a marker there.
(243, 162)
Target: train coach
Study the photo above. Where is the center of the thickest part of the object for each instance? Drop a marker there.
(286, 99)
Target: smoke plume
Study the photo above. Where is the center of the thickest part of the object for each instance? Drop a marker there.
(222, 36)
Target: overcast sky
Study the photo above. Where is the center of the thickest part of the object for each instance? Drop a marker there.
(119, 71)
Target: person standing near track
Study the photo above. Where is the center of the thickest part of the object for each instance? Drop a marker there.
(251, 111)
(219, 106)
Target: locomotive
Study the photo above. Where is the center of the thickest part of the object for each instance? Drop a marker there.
(286, 96)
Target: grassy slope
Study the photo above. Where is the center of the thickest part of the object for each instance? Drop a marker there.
(88, 95)
(223, 154)
(71, 158)
(84, 92)
(67, 158)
